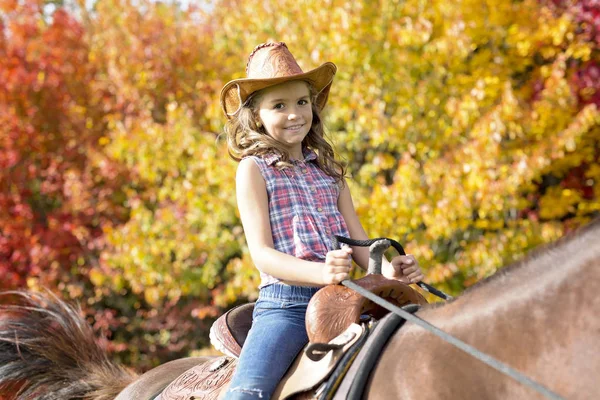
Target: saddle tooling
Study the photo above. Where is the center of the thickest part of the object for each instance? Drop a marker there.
(346, 335)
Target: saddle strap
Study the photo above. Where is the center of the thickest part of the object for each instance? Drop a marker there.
(328, 388)
(354, 381)
(315, 363)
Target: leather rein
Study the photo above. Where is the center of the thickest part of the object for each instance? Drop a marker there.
(377, 247)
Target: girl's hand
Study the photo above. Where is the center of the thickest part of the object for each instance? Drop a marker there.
(404, 269)
(337, 266)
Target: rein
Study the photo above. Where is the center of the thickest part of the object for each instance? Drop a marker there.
(377, 247)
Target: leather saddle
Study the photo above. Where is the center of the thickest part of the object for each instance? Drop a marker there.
(333, 324)
(229, 331)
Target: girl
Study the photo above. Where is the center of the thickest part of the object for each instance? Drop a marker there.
(292, 197)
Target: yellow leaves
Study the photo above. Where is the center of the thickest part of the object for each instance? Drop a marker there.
(243, 283)
(408, 31)
(573, 145)
(384, 161)
(550, 232)
(579, 50)
(558, 202)
(557, 32)
(97, 277)
(495, 144)
(594, 174)
(558, 29)
(524, 48)
(152, 295)
(484, 255)
(440, 273)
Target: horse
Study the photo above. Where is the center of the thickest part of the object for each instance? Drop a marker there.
(538, 316)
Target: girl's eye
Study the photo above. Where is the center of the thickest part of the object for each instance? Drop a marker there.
(278, 106)
(303, 102)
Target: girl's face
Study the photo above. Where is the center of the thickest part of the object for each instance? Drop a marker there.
(286, 113)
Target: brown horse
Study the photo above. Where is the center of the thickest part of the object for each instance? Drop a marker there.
(539, 316)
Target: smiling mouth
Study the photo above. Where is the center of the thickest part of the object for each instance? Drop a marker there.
(294, 127)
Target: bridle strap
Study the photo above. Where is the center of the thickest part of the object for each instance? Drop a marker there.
(365, 243)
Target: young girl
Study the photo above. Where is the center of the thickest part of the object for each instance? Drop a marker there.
(292, 197)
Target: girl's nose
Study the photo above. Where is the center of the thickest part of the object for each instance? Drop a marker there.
(294, 112)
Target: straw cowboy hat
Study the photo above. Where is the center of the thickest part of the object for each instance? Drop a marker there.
(270, 64)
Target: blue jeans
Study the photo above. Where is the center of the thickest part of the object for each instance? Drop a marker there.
(277, 335)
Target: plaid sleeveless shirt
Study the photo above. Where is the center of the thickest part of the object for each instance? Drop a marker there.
(303, 208)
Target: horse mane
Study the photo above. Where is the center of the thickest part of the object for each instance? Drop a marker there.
(572, 243)
(49, 352)
(539, 272)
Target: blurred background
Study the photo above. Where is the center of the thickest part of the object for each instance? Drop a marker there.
(470, 129)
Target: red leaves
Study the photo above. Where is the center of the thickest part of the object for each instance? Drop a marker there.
(44, 77)
(586, 80)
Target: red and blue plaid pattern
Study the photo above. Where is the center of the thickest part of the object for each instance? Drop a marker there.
(303, 208)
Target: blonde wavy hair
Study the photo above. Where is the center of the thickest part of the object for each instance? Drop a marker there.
(245, 138)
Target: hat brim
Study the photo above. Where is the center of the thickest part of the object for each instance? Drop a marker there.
(235, 93)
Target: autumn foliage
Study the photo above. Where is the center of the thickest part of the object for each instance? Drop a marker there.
(470, 129)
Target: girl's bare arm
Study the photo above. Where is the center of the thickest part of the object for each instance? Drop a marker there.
(254, 212)
(360, 255)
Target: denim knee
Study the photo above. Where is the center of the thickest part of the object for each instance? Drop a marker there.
(277, 335)
(239, 393)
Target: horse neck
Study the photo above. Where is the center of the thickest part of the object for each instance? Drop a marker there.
(533, 316)
(558, 278)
